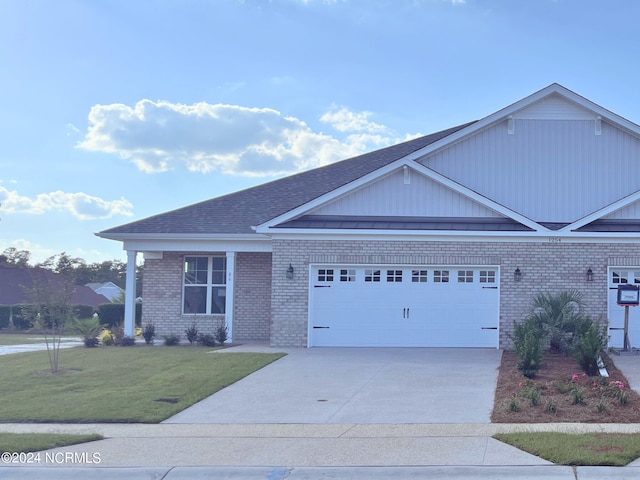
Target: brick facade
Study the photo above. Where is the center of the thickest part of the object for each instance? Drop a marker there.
(162, 294)
(545, 267)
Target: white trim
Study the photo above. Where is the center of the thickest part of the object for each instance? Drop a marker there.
(612, 207)
(455, 236)
(230, 300)
(201, 245)
(130, 294)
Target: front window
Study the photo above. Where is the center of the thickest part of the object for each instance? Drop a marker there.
(204, 285)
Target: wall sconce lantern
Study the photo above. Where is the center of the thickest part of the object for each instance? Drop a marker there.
(290, 272)
(589, 275)
(517, 275)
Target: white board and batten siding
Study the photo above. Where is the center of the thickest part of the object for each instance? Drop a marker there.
(405, 194)
(403, 306)
(552, 168)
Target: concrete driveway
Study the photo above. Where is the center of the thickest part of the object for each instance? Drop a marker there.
(359, 385)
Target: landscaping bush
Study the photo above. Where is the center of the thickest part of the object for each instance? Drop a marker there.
(172, 340)
(207, 340)
(587, 349)
(5, 316)
(149, 333)
(222, 333)
(127, 341)
(527, 340)
(192, 333)
(562, 318)
(89, 328)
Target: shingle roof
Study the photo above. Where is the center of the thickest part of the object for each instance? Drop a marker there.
(237, 212)
(16, 282)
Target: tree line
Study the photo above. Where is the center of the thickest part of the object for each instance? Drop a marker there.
(76, 269)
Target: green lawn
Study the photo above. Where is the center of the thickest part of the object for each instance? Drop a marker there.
(33, 442)
(117, 384)
(597, 449)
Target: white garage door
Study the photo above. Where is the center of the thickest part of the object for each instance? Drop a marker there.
(623, 276)
(389, 306)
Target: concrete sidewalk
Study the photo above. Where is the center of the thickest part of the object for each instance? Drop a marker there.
(270, 452)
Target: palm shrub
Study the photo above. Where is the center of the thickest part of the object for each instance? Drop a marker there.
(562, 318)
(89, 328)
(527, 340)
(222, 333)
(588, 347)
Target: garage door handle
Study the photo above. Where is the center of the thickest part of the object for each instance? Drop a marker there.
(320, 327)
(489, 328)
(322, 286)
(616, 328)
(491, 287)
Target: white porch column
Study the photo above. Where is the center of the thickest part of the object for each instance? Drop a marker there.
(130, 294)
(228, 308)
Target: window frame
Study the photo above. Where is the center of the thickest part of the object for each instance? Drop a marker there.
(209, 285)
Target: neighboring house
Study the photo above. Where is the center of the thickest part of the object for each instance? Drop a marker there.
(439, 241)
(16, 282)
(108, 289)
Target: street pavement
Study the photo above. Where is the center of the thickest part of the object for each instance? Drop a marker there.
(333, 443)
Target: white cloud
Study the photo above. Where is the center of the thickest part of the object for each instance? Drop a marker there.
(80, 205)
(232, 139)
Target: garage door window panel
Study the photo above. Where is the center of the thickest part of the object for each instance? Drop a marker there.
(394, 276)
(441, 276)
(371, 275)
(419, 276)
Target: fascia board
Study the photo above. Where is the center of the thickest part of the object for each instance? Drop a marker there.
(623, 202)
(327, 197)
(475, 196)
(456, 236)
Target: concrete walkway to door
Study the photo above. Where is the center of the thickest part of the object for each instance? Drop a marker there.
(361, 386)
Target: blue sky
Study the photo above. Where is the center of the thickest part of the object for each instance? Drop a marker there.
(115, 110)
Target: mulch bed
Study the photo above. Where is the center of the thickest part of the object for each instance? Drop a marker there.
(555, 382)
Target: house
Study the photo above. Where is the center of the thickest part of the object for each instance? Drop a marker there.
(109, 289)
(15, 284)
(440, 241)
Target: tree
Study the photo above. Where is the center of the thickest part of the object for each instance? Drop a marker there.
(50, 309)
(13, 258)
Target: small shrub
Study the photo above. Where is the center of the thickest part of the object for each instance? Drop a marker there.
(5, 316)
(563, 387)
(551, 408)
(602, 405)
(192, 333)
(587, 349)
(89, 328)
(127, 341)
(623, 398)
(222, 333)
(513, 405)
(207, 340)
(577, 396)
(527, 340)
(533, 393)
(106, 338)
(172, 340)
(149, 333)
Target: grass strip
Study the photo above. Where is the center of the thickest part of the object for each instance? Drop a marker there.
(118, 384)
(584, 449)
(34, 442)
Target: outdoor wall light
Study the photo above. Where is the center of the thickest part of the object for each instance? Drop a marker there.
(517, 275)
(589, 275)
(290, 272)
